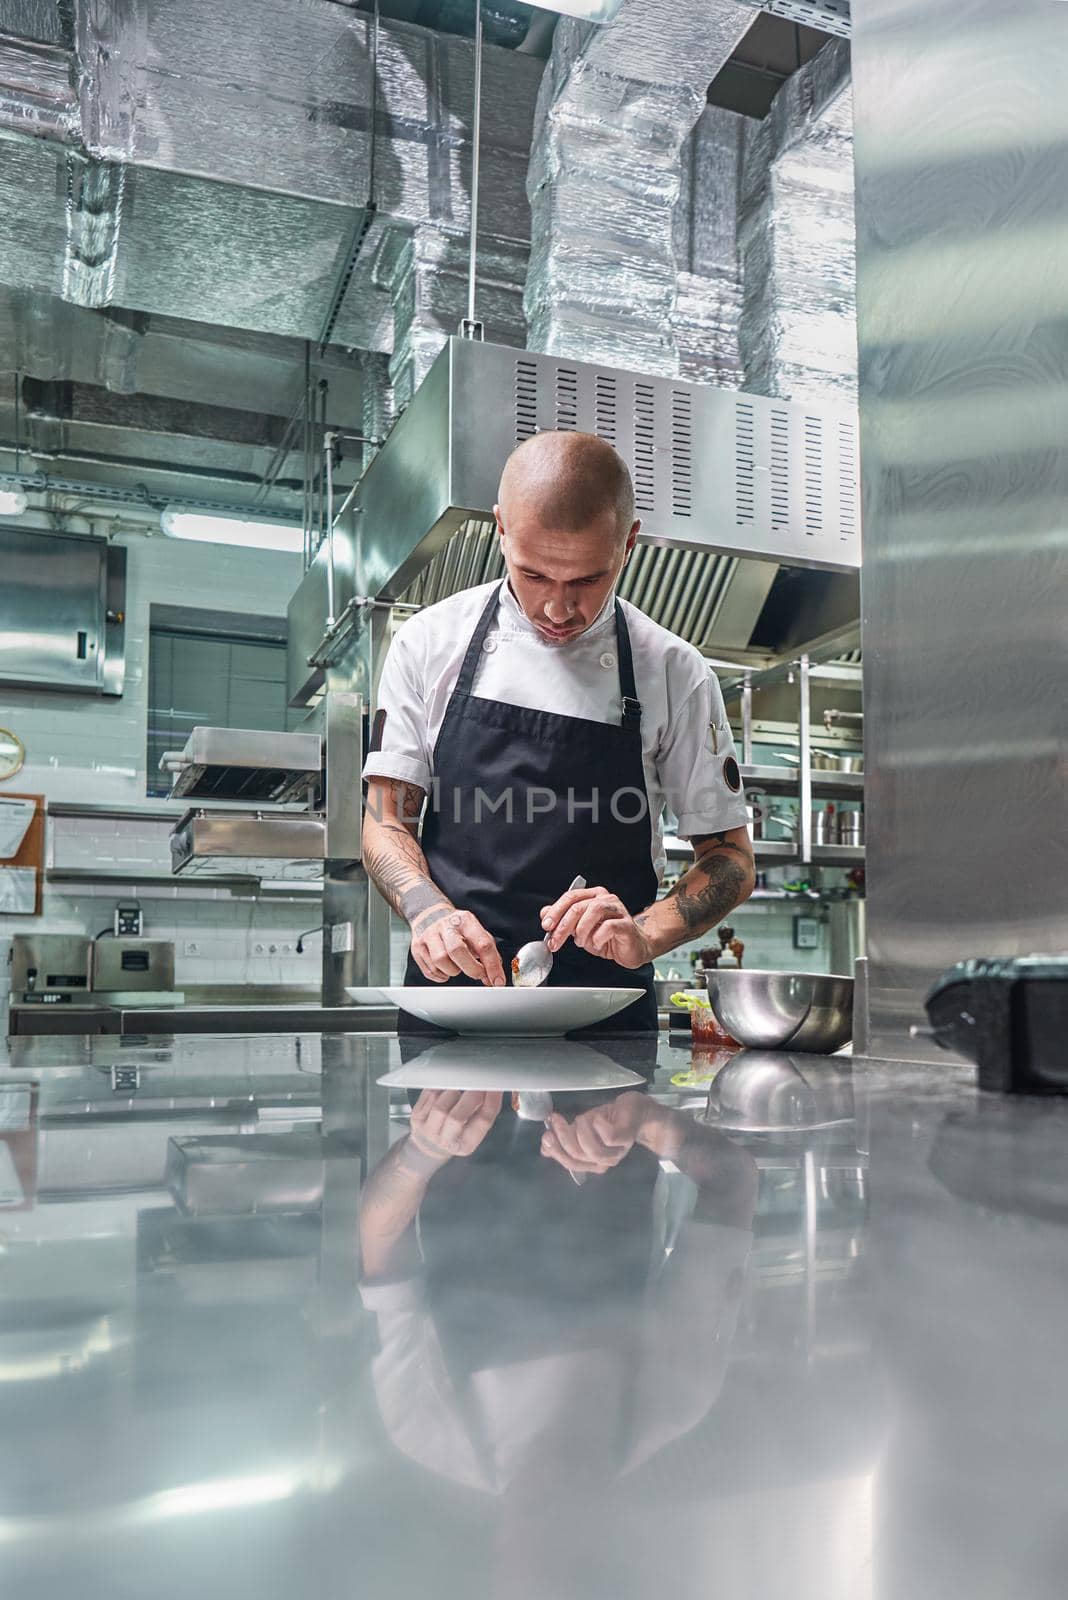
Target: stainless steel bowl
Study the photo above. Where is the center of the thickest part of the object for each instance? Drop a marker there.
(807, 1011)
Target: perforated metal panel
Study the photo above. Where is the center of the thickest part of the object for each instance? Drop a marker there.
(830, 16)
(714, 471)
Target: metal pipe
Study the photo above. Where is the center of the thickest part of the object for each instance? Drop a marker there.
(18, 421)
(747, 720)
(476, 134)
(372, 198)
(318, 445)
(328, 467)
(804, 728)
(306, 508)
(324, 390)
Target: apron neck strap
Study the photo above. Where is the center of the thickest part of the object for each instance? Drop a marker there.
(466, 680)
(632, 709)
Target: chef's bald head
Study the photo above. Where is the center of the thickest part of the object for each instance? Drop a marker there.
(572, 482)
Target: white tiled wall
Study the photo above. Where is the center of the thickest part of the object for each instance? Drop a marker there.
(79, 748)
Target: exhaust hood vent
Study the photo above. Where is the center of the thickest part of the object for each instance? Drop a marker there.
(719, 476)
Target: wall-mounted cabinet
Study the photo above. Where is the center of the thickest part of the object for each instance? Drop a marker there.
(62, 612)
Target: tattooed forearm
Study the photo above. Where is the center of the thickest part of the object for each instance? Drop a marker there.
(392, 855)
(708, 891)
(409, 890)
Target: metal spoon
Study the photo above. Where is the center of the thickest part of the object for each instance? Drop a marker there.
(534, 961)
(536, 1106)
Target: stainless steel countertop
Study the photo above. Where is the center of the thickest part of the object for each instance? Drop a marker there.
(28, 1020)
(821, 1362)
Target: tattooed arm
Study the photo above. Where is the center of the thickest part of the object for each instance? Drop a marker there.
(721, 877)
(445, 941)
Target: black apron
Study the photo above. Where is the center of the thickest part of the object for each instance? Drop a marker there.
(521, 803)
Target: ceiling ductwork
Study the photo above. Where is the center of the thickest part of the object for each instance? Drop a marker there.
(798, 238)
(616, 107)
(227, 196)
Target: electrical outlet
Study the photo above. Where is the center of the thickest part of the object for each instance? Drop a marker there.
(191, 947)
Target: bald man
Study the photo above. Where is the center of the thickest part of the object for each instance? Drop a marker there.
(546, 724)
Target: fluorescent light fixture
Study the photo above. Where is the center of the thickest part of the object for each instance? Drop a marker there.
(178, 523)
(586, 10)
(12, 502)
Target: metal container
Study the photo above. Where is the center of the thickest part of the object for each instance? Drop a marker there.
(764, 1091)
(132, 965)
(823, 761)
(49, 968)
(62, 611)
(850, 827)
(824, 826)
(282, 845)
(805, 1011)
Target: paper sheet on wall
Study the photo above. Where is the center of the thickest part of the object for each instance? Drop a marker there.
(15, 819)
(18, 891)
(11, 1190)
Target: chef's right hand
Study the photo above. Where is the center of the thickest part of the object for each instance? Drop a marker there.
(446, 942)
(597, 1140)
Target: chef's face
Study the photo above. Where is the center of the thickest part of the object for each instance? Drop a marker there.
(562, 580)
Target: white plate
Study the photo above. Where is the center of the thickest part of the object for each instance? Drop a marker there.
(516, 1066)
(368, 997)
(510, 1011)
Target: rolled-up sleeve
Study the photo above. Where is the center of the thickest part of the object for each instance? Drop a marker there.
(400, 736)
(698, 765)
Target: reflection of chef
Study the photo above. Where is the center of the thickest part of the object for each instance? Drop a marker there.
(538, 1339)
(549, 723)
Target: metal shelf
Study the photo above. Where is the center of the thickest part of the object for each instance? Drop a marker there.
(784, 851)
(838, 855)
(153, 879)
(785, 780)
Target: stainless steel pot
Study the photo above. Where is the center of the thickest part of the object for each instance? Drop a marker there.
(851, 827)
(824, 761)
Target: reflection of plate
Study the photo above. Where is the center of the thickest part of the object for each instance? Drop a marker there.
(505, 1012)
(515, 1066)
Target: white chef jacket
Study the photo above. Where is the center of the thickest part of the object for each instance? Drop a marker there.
(689, 755)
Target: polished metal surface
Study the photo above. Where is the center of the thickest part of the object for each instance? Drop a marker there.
(281, 845)
(808, 1011)
(254, 765)
(62, 612)
(126, 964)
(100, 1017)
(713, 470)
(768, 1091)
(57, 964)
(252, 1344)
(961, 196)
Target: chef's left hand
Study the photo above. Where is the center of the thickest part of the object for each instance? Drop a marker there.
(599, 922)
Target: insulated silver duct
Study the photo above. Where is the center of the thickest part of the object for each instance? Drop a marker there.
(797, 234)
(705, 237)
(243, 131)
(615, 108)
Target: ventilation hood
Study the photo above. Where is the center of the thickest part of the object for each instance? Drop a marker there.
(729, 488)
